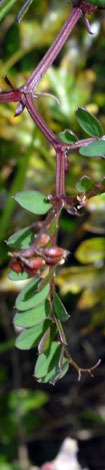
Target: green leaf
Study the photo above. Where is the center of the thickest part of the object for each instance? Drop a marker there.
(60, 310)
(96, 149)
(88, 122)
(96, 203)
(61, 331)
(13, 276)
(21, 240)
(33, 201)
(91, 251)
(47, 338)
(52, 378)
(48, 361)
(5, 6)
(30, 337)
(45, 341)
(84, 184)
(31, 317)
(28, 299)
(68, 137)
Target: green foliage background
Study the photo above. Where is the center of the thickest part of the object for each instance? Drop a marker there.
(32, 415)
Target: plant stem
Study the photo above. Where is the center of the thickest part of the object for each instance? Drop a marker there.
(55, 142)
(60, 173)
(54, 50)
(33, 111)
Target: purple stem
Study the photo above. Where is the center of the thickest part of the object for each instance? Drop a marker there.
(83, 143)
(53, 51)
(60, 173)
(33, 111)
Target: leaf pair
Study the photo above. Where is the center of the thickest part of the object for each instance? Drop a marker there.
(47, 367)
(93, 128)
(34, 315)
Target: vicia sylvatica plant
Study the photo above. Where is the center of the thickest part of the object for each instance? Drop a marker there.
(35, 254)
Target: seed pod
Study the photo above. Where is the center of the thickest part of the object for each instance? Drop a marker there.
(54, 252)
(16, 265)
(54, 255)
(44, 240)
(33, 264)
(51, 261)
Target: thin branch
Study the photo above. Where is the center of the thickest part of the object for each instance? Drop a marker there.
(53, 51)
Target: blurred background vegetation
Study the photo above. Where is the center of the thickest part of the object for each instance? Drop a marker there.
(35, 418)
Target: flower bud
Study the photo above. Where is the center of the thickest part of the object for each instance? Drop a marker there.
(16, 265)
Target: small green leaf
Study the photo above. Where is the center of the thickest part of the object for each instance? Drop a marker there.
(13, 276)
(47, 338)
(31, 317)
(61, 331)
(48, 361)
(84, 184)
(68, 137)
(33, 201)
(21, 240)
(45, 341)
(31, 336)
(53, 380)
(91, 251)
(53, 377)
(96, 149)
(60, 310)
(28, 298)
(88, 122)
